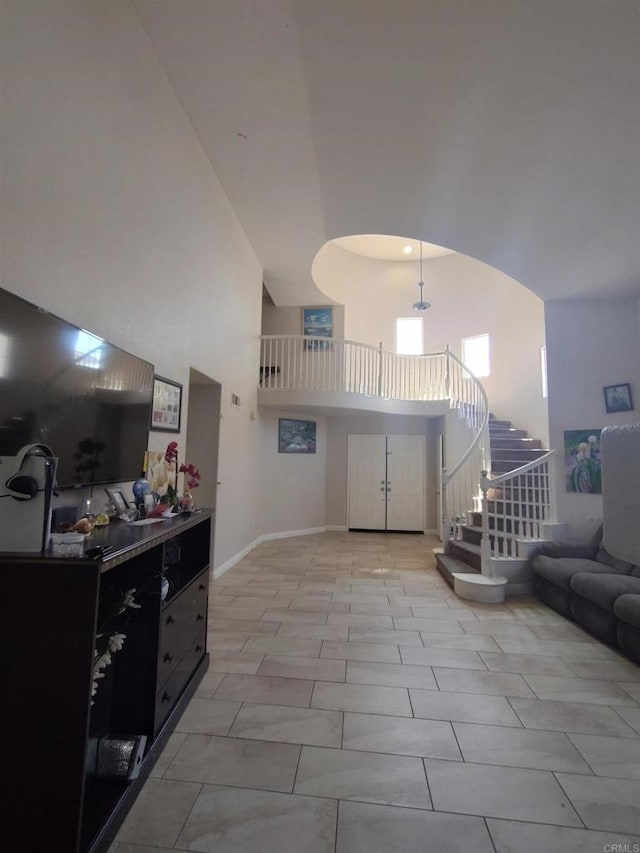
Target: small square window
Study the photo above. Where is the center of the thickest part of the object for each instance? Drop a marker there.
(409, 336)
(475, 354)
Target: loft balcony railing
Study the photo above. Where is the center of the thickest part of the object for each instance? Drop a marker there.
(307, 363)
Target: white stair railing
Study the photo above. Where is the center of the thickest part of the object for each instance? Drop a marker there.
(307, 363)
(460, 484)
(522, 502)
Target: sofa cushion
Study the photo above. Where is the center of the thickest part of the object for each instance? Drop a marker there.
(626, 608)
(603, 590)
(560, 570)
(608, 559)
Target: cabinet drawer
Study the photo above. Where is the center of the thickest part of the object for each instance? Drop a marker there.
(169, 692)
(181, 623)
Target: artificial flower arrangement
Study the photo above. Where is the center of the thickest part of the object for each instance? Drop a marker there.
(109, 640)
(192, 478)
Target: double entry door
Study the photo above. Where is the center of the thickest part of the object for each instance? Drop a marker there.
(386, 482)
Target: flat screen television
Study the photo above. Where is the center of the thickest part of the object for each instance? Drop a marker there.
(64, 387)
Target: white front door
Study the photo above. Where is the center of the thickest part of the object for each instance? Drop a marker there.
(367, 482)
(386, 482)
(406, 463)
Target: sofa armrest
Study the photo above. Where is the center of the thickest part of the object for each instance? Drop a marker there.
(565, 549)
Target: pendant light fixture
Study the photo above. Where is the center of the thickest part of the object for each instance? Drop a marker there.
(421, 305)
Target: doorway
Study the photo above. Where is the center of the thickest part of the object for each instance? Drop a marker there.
(203, 434)
(386, 482)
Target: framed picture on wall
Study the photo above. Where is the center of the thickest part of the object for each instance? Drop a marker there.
(296, 436)
(167, 403)
(617, 398)
(582, 461)
(317, 323)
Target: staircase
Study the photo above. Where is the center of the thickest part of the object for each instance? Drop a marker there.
(512, 509)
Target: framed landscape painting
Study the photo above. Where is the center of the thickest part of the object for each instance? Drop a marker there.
(582, 458)
(317, 323)
(296, 436)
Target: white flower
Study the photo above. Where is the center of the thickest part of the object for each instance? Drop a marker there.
(102, 660)
(129, 601)
(116, 642)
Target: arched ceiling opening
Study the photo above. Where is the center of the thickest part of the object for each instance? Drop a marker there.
(507, 131)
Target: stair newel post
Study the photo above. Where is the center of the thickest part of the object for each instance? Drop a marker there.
(447, 372)
(445, 526)
(485, 545)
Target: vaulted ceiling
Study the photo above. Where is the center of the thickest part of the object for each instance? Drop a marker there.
(508, 130)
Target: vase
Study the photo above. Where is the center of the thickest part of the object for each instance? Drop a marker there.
(186, 502)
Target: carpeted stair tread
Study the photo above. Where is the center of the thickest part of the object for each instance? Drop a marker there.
(447, 565)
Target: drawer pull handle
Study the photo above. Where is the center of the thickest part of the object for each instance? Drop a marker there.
(165, 697)
(170, 620)
(199, 618)
(198, 647)
(202, 587)
(167, 658)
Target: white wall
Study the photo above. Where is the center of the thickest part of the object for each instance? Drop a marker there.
(338, 430)
(112, 217)
(590, 344)
(288, 321)
(291, 486)
(467, 298)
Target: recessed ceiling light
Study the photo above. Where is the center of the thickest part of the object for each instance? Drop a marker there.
(407, 250)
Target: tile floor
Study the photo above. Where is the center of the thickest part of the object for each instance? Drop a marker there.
(354, 704)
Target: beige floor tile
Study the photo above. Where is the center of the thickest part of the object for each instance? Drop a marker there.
(314, 632)
(176, 739)
(208, 717)
(238, 662)
(209, 683)
(361, 651)
(266, 690)
(361, 620)
(610, 804)
(445, 625)
(311, 606)
(631, 716)
(371, 635)
(230, 820)
(235, 761)
(510, 747)
(364, 698)
(508, 792)
(454, 658)
(400, 736)
(366, 776)
(610, 756)
(366, 828)
(318, 669)
(590, 690)
(535, 664)
(379, 607)
(472, 681)
(248, 626)
(513, 836)
(606, 670)
(632, 690)
(572, 717)
(283, 646)
(159, 812)
(479, 643)
(390, 674)
(310, 726)
(463, 707)
(295, 617)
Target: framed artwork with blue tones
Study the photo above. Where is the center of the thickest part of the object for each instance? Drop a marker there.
(582, 461)
(295, 436)
(617, 398)
(317, 323)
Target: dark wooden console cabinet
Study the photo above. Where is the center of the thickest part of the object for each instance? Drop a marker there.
(51, 610)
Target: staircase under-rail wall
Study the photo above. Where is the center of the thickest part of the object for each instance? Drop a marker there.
(517, 515)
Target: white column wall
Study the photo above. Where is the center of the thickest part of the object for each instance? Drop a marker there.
(590, 344)
(112, 217)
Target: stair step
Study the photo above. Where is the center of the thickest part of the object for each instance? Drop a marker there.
(447, 565)
(513, 443)
(507, 433)
(495, 423)
(526, 454)
(466, 552)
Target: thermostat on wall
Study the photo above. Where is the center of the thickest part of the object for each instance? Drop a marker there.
(235, 400)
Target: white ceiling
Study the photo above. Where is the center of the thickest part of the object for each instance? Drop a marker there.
(508, 130)
(384, 247)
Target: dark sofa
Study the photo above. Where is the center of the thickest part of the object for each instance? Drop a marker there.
(595, 589)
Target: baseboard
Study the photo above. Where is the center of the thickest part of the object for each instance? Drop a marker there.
(283, 534)
(336, 528)
(287, 534)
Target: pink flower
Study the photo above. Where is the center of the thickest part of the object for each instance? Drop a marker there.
(193, 475)
(171, 453)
